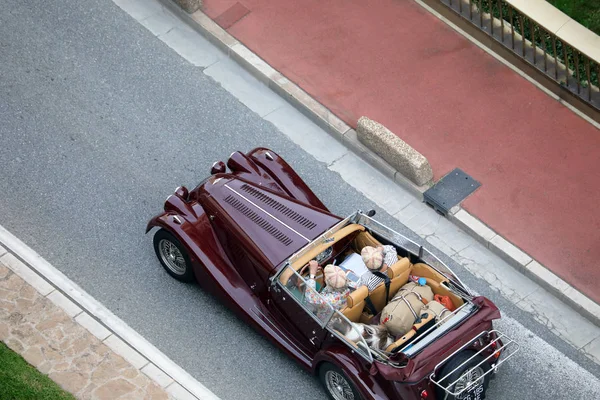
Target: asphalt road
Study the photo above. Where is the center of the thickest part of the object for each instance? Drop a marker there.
(99, 122)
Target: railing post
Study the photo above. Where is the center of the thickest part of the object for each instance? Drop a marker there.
(589, 78)
(564, 46)
(576, 57)
(532, 25)
(501, 20)
(490, 5)
(512, 27)
(555, 57)
(521, 19)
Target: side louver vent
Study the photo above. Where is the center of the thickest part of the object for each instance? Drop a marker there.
(258, 220)
(278, 206)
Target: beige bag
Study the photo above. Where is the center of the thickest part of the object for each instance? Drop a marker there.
(438, 310)
(399, 315)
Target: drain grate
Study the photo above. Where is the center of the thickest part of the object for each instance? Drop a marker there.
(450, 190)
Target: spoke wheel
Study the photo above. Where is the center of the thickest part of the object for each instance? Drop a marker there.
(172, 256)
(337, 384)
(465, 376)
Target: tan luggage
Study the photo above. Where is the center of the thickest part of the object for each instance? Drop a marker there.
(401, 312)
(437, 309)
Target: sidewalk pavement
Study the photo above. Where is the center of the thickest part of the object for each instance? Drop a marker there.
(57, 342)
(74, 339)
(398, 64)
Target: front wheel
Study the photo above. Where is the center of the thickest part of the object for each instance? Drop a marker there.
(173, 256)
(337, 384)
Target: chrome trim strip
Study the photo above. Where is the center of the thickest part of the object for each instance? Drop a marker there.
(269, 214)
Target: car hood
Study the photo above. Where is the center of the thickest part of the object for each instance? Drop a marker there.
(271, 222)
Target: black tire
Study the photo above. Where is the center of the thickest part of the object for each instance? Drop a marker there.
(173, 256)
(453, 364)
(327, 372)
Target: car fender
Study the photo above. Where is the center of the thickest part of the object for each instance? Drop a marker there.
(285, 176)
(341, 357)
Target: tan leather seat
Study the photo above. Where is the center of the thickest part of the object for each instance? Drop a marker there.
(355, 302)
(434, 280)
(398, 274)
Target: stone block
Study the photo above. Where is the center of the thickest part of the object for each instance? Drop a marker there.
(189, 6)
(395, 151)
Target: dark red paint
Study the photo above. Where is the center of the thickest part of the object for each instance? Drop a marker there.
(234, 259)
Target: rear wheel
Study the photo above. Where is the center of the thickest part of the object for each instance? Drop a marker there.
(464, 376)
(337, 384)
(172, 256)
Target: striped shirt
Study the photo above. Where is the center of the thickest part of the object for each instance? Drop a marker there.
(369, 279)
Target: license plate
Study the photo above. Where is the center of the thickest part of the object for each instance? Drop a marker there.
(474, 393)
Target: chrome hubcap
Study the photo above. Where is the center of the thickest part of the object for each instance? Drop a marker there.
(172, 257)
(338, 386)
(468, 378)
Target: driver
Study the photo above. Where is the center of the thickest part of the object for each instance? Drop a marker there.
(336, 286)
(377, 259)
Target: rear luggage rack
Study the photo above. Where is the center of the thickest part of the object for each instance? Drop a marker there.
(508, 344)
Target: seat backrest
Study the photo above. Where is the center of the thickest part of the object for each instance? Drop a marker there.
(398, 274)
(355, 302)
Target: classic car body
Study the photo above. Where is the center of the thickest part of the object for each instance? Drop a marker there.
(245, 236)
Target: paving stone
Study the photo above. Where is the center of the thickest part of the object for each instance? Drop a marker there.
(592, 350)
(113, 389)
(560, 318)
(72, 382)
(497, 272)
(2, 251)
(70, 308)
(192, 46)
(4, 271)
(139, 9)
(160, 22)
(371, 183)
(157, 375)
(245, 87)
(93, 326)
(28, 275)
(34, 356)
(125, 351)
(306, 134)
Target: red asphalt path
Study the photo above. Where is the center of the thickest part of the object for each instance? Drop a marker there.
(394, 62)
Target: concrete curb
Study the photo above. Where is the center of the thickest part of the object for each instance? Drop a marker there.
(100, 322)
(320, 115)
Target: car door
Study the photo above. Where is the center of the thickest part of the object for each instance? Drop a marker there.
(302, 319)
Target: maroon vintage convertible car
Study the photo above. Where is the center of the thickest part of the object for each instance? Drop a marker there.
(247, 234)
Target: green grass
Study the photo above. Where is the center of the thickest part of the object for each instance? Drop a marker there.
(586, 12)
(21, 381)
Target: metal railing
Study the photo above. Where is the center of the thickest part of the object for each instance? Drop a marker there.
(529, 40)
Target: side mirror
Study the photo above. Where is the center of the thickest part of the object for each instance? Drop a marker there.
(370, 213)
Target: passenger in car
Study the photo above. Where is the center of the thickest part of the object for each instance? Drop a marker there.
(336, 288)
(377, 259)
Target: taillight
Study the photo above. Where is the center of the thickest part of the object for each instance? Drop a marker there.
(424, 394)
